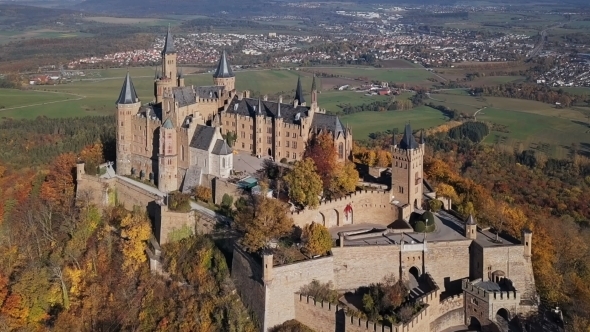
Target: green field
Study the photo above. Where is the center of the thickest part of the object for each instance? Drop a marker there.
(9, 36)
(364, 123)
(401, 75)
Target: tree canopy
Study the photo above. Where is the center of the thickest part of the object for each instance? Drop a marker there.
(304, 183)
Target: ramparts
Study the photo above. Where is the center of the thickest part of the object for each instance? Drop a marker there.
(368, 206)
(489, 296)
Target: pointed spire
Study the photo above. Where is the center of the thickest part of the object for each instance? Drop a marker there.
(155, 72)
(408, 141)
(470, 220)
(279, 107)
(299, 92)
(422, 137)
(313, 84)
(128, 94)
(168, 124)
(393, 142)
(223, 68)
(259, 106)
(169, 43)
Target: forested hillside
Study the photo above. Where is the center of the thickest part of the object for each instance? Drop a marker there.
(66, 266)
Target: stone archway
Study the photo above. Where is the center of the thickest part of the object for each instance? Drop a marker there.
(414, 277)
(348, 215)
(319, 218)
(474, 324)
(331, 218)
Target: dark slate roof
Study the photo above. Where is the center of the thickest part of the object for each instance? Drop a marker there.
(184, 95)
(393, 140)
(128, 94)
(151, 111)
(422, 141)
(203, 137)
(221, 148)
(213, 91)
(408, 142)
(299, 92)
(313, 84)
(249, 107)
(168, 124)
(169, 44)
(328, 122)
(470, 220)
(192, 178)
(223, 68)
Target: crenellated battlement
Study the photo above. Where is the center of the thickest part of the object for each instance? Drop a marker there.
(490, 295)
(432, 296)
(452, 299)
(320, 304)
(348, 197)
(207, 100)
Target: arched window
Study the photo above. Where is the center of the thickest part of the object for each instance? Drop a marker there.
(340, 150)
(223, 162)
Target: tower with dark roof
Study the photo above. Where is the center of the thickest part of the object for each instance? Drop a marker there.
(407, 170)
(169, 69)
(299, 99)
(167, 158)
(127, 105)
(224, 75)
(470, 228)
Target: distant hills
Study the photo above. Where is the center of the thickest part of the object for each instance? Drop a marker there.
(178, 7)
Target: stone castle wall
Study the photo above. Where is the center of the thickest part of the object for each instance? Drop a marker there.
(352, 265)
(247, 276)
(448, 264)
(511, 260)
(369, 206)
(449, 312)
(288, 279)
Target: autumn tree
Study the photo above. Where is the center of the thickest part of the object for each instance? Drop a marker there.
(58, 188)
(344, 180)
(304, 183)
(317, 239)
(92, 156)
(136, 230)
(322, 151)
(261, 220)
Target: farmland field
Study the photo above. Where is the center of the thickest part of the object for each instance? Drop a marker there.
(364, 123)
(402, 75)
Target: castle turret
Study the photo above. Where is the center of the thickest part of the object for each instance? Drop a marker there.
(224, 74)
(407, 170)
(128, 105)
(527, 242)
(299, 100)
(314, 96)
(470, 228)
(180, 78)
(167, 179)
(267, 268)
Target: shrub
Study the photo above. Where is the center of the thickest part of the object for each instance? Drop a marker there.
(291, 326)
(204, 194)
(420, 226)
(227, 202)
(283, 160)
(320, 292)
(318, 240)
(428, 218)
(435, 205)
(179, 202)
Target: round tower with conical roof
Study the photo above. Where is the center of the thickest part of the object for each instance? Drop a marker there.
(224, 75)
(128, 105)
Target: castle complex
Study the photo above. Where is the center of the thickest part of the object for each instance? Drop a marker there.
(462, 274)
(181, 136)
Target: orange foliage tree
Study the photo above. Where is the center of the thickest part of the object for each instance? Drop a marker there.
(322, 151)
(58, 188)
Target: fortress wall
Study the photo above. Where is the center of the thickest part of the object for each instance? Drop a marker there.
(319, 316)
(247, 276)
(288, 279)
(368, 207)
(360, 266)
(511, 260)
(92, 188)
(449, 312)
(222, 187)
(130, 195)
(448, 263)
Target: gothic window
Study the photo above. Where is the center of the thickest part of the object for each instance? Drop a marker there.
(268, 140)
(340, 150)
(269, 130)
(169, 136)
(182, 152)
(294, 135)
(287, 143)
(223, 162)
(243, 134)
(243, 145)
(122, 123)
(294, 155)
(242, 126)
(294, 145)
(169, 149)
(287, 154)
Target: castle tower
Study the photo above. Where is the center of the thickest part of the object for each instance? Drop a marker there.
(299, 100)
(277, 152)
(224, 75)
(470, 228)
(127, 106)
(169, 58)
(314, 96)
(527, 242)
(167, 158)
(407, 170)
